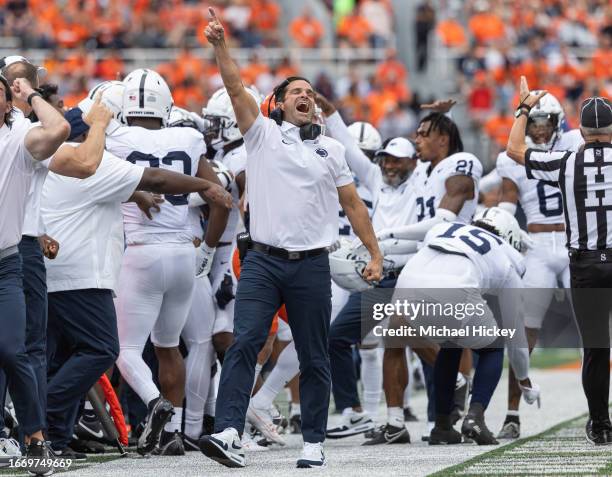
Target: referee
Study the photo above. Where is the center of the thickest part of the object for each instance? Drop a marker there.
(295, 177)
(585, 180)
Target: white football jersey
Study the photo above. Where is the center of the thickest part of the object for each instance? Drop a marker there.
(493, 257)
(540, 200)
(430, 184)
(173, 149)
(235, 160)
(345, 226)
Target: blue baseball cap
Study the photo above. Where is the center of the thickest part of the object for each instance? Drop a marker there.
(74, 117)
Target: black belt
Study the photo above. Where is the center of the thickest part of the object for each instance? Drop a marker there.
(286, 254)
(591, 256)
(393, 274)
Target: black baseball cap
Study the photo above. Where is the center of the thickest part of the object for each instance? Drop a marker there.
(596, 113)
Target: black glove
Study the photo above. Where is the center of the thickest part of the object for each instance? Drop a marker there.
(225, 293)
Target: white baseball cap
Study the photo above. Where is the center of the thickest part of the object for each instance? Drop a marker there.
(397, 147)
(9, 60)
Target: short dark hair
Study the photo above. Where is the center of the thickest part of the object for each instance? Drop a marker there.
(446, 126)
(8, 95)
(281, 89)
(47, 90)
(21, 69)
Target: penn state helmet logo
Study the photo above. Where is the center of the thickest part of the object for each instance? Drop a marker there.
(321, 152)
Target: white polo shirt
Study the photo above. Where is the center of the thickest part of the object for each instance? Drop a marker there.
(16, 168)
(33, 224)
(84, 216)
(292, 185)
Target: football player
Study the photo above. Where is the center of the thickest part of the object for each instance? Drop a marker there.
(157, 280)
(547, 263)
(457, 265)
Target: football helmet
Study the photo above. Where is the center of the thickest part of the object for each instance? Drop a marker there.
(347, 264)
(219, 112)
(182, 118)
(146, 95)
(547, 112)
(504, 223)
(112, 97)
(368, 138)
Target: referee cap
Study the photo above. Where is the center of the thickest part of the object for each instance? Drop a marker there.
(397, 147)
(9, 60)
(596, 113)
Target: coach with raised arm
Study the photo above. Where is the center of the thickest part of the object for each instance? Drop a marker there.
(585, 181)
(295, 177)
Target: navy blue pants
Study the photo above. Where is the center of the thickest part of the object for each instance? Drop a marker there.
(304, 286)
(346, 331)
(82, 344)
(486, 377)
(13, 358)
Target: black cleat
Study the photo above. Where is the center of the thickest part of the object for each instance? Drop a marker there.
(160, 411)
(69, 453)
(39, 458)
(191, 444)
(170, 443)
(295, 424)
(439, 436)
(87, 447)
(409, 415)
(599, 433)
(89, 428)
(209, 425)
(474, 428)
(389, 434)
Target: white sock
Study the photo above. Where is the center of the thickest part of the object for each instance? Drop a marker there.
(174, 424)
(211, 399)
(395, 416)
(512, 413)
(197, 385)
(287, 366)
(257, 373)
(371, 379)
(295, 409)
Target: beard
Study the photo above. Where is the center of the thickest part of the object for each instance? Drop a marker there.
(396, 180)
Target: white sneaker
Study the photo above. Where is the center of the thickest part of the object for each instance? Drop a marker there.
(532, 394)
(224, 447)
(312, 456)
(261, 419)
(248, 444)
(353, 423)
(9, 449)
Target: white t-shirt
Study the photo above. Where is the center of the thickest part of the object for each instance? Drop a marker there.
(174, 149)
(292, 186)
(84, 216)
(16, 168)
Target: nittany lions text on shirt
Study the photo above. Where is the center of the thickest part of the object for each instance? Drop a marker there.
(585, 181)
(430, 184)
(174, 149)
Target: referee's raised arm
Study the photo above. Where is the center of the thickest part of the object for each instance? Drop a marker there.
(245, 107)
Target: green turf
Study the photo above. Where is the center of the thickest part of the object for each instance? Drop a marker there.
(560, 450)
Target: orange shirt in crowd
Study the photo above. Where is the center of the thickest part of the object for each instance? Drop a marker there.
(602, 64)
(264, 14)
(498, 129)
(391, 71)
(252, 71)
(486, 27)
(109, 67)
(379, 102)
(356, 29)
(307, 32)
(451, 33)
(189, 97)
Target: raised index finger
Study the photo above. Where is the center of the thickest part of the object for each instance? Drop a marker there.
(213, 15)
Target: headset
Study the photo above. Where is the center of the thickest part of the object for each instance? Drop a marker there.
(308, 132)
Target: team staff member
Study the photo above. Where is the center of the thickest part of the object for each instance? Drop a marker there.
(20, 147)
(85, 215)
(585, 181)
(291, 226)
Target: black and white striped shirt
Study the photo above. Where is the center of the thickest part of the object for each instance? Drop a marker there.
(585, 181)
